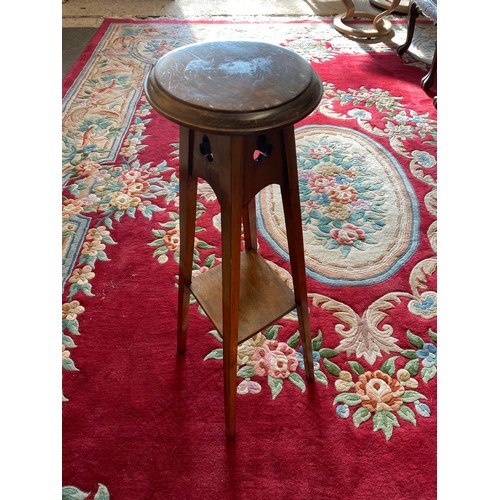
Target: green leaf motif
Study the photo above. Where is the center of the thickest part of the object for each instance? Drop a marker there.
(433, 336)
(360, 415)
(215, 354)
(411, 396)
(108, 223)
(276, 385)
(87, 289)
(389, 366)
(72, 493)
(317, 341)
(246, 372)
(320, 377)
(216, 335)
(297, 380)
(428, 373)
(356, 367)
(73, 289)
(328, 353)
(210, 260)
(68, 341)
(385, 421)
(406, 413)
(413, 366)
(272, 332)
(72, 326)
(409, 353)
(347, 398)
(160, 251)
(157, 243)
(159, 233)
(87, 259)
(102, 255)
(108, 240)
(293, 341)
(204, 245)
(415, 339)
(331, 367)
(68, 364)
(102, 493)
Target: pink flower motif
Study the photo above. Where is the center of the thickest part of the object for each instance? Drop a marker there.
(248, 387)
(348, 234)
(320, 183)
(275, 359)
(201, 270)
(133, 174)
(87, 169)
(71, 207)
(343, 194)
(319, 152)
(311, 204)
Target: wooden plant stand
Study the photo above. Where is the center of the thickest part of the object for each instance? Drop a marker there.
(236, 103)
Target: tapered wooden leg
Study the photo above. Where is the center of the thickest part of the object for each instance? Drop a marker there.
(293, 222)
(187, 218)
(250, 225)
(231, 213)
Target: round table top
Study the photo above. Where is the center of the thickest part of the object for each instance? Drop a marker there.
(233, 87)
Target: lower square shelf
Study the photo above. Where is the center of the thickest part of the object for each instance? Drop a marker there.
(264, 297)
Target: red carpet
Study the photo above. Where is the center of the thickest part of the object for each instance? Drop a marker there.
(140, 422)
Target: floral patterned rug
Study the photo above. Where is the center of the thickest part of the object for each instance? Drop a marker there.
(140, 422)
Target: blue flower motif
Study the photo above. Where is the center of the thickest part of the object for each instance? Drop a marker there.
(342, 179)
(401, 117)
(422, 409)
(378, 225)
(427, 303)
(420, 118)
(300, 359)
(429, 354)
(426, 306)
(342, 411)
(89, 148)
(424, 158)
(360, 113)
(344, 98)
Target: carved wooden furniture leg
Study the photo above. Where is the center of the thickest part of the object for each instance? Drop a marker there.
(412, 18)
(381, 26)
(429, 9)
(428, 79)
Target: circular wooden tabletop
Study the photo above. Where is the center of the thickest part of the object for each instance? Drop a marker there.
(233, 87)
